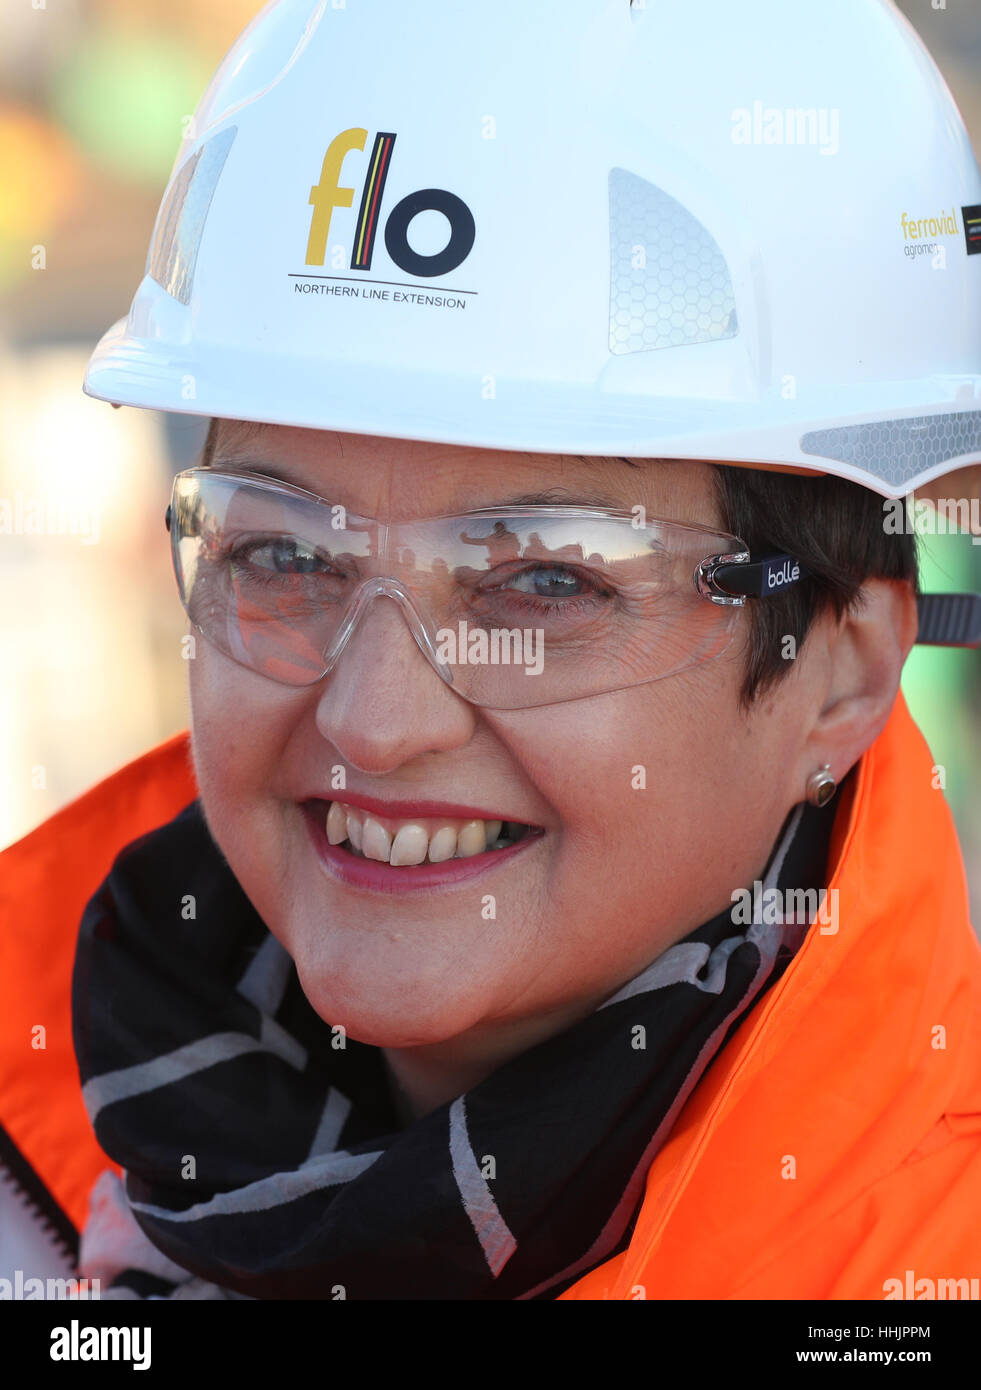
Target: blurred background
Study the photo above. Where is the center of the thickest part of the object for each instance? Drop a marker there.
(93, 94)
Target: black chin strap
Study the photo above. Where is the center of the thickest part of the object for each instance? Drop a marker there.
(949, 620)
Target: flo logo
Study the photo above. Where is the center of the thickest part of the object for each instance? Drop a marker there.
(327, 195)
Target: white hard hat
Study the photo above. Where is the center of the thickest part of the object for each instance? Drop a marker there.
(716, 231)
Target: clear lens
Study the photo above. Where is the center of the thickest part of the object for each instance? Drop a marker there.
(515, 608)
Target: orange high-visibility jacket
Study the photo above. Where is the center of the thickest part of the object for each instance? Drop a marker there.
(831, 1150)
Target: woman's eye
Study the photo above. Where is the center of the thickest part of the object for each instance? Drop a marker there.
(284, 556)
(550, 581)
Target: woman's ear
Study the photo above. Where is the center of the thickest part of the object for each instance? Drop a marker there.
(864, 654)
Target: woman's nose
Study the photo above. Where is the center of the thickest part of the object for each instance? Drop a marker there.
(383, 704)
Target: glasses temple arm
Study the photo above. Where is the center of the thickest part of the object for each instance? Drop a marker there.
(945, 620)
(734, 578)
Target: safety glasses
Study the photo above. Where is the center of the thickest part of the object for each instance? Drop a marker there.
(513, 607)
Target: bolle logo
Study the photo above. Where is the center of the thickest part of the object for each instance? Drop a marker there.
(327, 195)
(786, 574)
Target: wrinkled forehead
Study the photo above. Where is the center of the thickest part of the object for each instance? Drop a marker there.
(402, 480)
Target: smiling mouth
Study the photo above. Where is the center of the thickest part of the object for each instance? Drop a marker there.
(417, 839)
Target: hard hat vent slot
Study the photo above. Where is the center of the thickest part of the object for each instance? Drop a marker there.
(669, 283)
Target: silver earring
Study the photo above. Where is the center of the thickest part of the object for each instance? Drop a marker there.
(821, 786)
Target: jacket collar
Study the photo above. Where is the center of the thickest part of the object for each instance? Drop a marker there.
(841, 1073)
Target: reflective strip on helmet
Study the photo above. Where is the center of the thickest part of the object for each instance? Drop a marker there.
(657, 244)
(896, 450)
(177, 236)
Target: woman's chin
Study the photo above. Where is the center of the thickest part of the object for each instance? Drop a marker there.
(389, 1014)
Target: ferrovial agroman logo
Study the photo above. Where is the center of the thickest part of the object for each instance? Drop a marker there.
(943, 223)
(920, 234)
(328, 194)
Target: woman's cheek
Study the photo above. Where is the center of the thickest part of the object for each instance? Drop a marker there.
(239, 723)
(633, 776)
(234, 756)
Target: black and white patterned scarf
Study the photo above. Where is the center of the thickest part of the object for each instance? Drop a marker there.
(263, 1159)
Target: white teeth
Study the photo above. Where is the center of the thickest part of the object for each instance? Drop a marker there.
(409, 846)
(411, 842)
(376, 841)
(336, 824)
(442, 845)
(472, 839)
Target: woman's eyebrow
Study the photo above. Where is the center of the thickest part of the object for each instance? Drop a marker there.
(563, 497)
(547, 497)
(250, 464)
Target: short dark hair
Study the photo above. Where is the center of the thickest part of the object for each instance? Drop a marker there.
(835, 528)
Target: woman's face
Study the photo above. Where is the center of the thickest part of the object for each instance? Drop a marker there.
(540, 935)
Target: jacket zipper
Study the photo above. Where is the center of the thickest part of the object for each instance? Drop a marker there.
(17, 1175)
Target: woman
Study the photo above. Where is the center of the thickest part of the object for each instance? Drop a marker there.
(556, 902)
